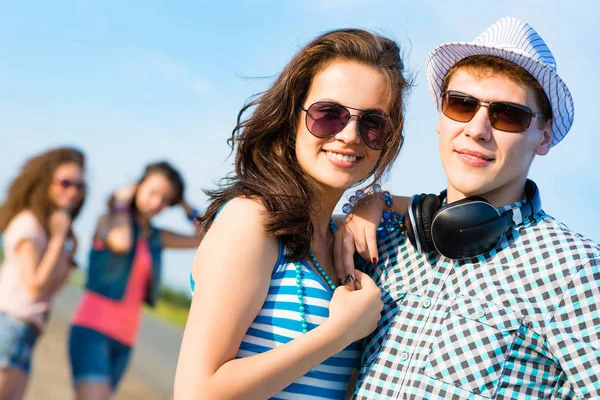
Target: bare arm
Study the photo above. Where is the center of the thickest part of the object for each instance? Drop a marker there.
(115, 228)
(72, 265)
(38, 268)
(400, 204)
(187, 208)
(174, 240)
(226, 301)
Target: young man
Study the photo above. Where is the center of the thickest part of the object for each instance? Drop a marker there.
(486, 295)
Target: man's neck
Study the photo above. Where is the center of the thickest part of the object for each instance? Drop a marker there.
(502, 196)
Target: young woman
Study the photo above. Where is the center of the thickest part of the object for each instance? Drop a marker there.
(124, 271)
(35, 221)
(266, 318)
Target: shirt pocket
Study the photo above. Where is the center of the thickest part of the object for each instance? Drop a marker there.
(472, 345)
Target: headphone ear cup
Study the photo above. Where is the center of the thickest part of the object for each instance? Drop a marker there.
(429, 205)
(410, 220)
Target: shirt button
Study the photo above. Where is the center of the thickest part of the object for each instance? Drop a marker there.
(481, 314)
(426, 303)
(404, 356)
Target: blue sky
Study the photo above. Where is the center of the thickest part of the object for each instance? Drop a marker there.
(137, 81)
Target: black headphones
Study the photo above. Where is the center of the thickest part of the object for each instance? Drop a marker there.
(465, 228)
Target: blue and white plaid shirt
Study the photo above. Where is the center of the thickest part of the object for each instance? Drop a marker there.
(521, 321)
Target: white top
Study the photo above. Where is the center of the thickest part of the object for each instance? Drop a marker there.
(15, 299)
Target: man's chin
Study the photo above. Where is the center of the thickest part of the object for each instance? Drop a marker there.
(468, 187)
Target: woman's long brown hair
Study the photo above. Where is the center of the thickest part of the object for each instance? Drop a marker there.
(265, 161)
(29, 190)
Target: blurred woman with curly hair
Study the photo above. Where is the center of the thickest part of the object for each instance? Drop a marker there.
(35, 222)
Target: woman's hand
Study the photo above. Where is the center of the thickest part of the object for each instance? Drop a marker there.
(356, 311)
(357, 233)
(59, 224)
(124, 196)
(39, 269)
(115, 228)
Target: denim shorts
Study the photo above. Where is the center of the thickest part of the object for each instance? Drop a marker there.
(17, 340)
(96, 358)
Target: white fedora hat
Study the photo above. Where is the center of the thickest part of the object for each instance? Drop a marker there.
(515, 41)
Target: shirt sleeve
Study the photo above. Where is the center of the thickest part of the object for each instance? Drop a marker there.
(573, 333)
(24, 226)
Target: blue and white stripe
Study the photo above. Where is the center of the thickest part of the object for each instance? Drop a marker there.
(278, 323)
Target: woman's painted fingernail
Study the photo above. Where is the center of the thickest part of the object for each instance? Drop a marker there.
(374, 260)
(348, 279)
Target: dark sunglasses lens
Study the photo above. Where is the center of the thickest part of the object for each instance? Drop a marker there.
(65, 184)
(326, 119)
(509, 118)
(459, 107)
(374, 130)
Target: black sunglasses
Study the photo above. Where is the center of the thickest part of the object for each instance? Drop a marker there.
(325, 119)
(504, 116)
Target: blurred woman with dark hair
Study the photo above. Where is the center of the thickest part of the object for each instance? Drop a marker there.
(124, 272)
(35, 221)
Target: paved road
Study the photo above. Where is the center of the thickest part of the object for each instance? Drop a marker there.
(150, 376)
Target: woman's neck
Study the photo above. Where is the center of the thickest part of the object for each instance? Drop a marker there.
(322, 241)
(321, 216)
(143, 222)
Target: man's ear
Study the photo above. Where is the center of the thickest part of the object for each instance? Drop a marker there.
(545, 143)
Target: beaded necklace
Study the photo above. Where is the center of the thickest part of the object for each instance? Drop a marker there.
(300, 287)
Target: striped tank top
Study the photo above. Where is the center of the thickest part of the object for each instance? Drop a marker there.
(278, 322)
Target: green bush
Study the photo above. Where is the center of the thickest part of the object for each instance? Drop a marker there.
(175, 297)
(173, 306)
